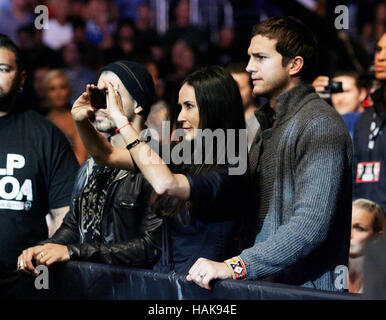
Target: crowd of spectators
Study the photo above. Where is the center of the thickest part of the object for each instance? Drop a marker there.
(84, 36)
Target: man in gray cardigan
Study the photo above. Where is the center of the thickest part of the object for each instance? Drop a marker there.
(301, 162)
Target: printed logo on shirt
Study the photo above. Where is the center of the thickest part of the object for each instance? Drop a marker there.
(14, 194)
(368, 172)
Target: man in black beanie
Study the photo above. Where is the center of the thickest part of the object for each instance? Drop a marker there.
(110, 220)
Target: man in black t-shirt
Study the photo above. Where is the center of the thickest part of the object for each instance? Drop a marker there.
(37, 171)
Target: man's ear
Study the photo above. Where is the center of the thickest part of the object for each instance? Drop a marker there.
(362, 94)
(295, 65)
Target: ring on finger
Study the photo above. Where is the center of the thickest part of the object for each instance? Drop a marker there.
(42, 254)
(201, 275)
(20, 264)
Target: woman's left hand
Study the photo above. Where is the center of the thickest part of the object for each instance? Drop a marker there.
(115, 106)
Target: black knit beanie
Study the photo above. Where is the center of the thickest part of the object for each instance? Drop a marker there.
(137, 81)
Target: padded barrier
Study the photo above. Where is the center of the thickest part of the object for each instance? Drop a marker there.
(83, 280)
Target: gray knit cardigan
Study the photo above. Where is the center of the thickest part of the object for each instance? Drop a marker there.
(303, 231)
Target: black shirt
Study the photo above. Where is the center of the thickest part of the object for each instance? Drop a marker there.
(220, 202)
(37, 172)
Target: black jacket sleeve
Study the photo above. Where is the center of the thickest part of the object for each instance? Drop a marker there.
(67, 233)
(142, 251)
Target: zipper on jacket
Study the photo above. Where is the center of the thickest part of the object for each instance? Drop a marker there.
(127, 204)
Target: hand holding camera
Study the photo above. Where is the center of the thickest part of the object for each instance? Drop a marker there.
(82, 109)
(115, 106)
(99, 98)
(325, 87)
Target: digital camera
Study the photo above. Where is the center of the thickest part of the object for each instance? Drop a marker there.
(333, 87)
(98, 98)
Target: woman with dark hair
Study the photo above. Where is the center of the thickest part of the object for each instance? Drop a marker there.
(204, 203)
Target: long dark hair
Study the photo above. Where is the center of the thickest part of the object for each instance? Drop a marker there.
(220, 107)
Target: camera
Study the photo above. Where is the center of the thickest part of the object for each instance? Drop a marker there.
(98, 98)
(333, 87)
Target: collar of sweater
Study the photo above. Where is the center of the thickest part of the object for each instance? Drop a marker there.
(289, 102)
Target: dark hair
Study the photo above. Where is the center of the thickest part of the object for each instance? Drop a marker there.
(29, 29)
(218, 98)
(360, 80)
(237, 67)
(7, 43)
(220, 107)
(78, 23)
(293, 39)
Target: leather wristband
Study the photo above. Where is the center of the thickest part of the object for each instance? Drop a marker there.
(132, 144)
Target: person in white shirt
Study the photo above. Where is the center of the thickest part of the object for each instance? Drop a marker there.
(60, 31)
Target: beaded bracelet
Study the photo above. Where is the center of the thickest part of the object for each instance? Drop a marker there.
(236, 265)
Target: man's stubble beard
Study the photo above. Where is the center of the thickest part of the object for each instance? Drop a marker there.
(272, 88)
(7, 99)
(108, 125)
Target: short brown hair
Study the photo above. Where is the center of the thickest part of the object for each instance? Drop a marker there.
(293, 39)
(360, 80)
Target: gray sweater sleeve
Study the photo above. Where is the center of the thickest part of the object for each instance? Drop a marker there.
(318, 157)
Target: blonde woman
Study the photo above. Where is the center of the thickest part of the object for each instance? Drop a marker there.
(57, 91)
(367, 223)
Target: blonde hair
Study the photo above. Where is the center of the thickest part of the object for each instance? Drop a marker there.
(374, 209)
(54, 74)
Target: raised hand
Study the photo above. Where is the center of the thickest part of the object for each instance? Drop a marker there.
(82, 109)
(319, 83)
(114, 105)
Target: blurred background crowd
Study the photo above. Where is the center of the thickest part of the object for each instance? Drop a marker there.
(172, 38)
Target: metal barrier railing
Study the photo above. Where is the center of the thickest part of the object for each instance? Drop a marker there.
(82, 280)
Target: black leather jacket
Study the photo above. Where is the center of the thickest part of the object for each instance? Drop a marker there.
(131, 233)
